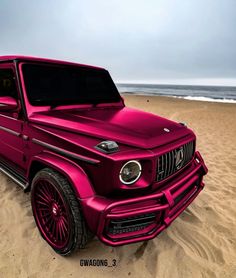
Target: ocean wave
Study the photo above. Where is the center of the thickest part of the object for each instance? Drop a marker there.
(208, 99)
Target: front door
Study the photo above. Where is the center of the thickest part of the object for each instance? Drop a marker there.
(11, 122)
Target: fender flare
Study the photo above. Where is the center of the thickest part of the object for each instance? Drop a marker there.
(72, 171)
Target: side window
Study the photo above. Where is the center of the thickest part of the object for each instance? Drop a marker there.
(7, 83)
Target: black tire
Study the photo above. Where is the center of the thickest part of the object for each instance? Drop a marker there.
(78, 232)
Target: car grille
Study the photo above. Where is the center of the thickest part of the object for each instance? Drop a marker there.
(171, 162)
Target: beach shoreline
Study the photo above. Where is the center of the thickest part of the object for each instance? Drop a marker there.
(207, 99)
(225, 94)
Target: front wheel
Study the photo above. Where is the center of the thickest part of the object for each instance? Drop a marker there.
(57, 213)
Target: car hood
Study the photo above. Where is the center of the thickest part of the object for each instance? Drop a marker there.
(124, 125)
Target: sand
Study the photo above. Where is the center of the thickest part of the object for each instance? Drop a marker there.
(200, 243)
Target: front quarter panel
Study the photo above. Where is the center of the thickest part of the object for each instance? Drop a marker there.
(74, 173)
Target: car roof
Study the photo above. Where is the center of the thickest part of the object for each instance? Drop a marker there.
(39, 59)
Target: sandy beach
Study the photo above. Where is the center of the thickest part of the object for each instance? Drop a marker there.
(200, 243)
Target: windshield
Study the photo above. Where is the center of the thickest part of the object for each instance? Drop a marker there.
(59, 85)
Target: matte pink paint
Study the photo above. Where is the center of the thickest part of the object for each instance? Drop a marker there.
(64, 138)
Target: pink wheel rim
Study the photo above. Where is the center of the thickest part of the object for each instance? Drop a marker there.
(51, 213)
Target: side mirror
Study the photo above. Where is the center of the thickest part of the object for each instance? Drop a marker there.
(7, 103)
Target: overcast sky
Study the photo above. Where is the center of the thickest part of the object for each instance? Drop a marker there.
(157, 41)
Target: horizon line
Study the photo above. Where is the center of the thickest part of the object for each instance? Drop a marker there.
(219, 82)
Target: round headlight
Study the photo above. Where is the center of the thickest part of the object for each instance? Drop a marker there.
(130, 172)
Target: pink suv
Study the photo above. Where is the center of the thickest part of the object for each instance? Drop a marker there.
(93, 166)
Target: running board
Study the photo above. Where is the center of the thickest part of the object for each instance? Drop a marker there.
(14, 177)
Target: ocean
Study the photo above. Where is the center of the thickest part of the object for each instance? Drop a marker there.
(193, 92)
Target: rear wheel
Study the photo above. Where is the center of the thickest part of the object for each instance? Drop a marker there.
(57, 213)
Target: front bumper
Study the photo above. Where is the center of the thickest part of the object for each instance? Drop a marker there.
(142, 218)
